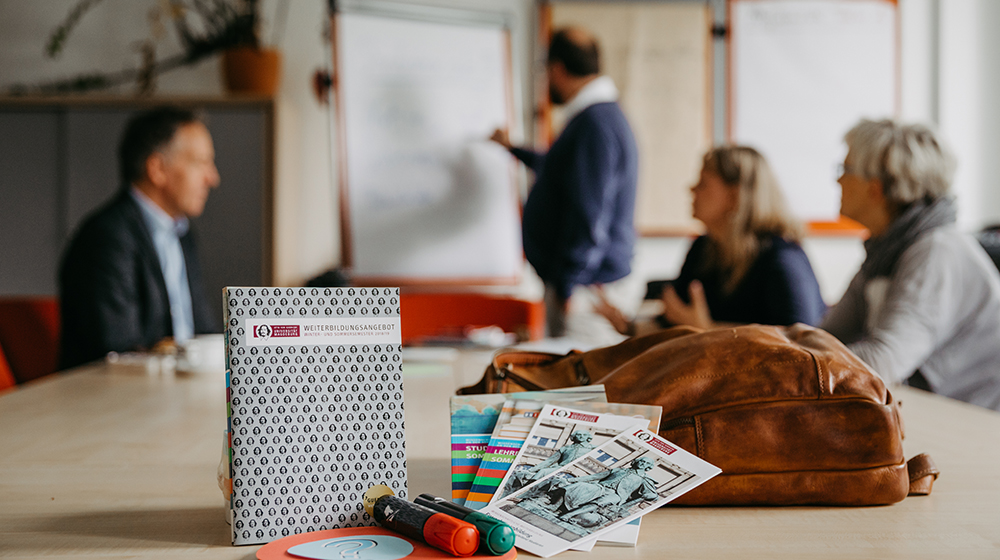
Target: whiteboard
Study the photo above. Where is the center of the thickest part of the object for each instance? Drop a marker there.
(426, 198)
(802, 74)
(659, 55)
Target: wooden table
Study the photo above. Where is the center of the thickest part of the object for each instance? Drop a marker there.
(103, 462)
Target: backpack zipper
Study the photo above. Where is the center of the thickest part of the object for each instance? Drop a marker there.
(677, 422)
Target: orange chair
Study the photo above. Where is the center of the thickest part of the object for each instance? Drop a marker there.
(433, 315)
(6, 376)
(29, 336)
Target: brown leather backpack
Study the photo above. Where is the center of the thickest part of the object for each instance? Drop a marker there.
(789, 414)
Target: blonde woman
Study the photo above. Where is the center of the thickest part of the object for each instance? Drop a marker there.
(925, 306)
(749, 266)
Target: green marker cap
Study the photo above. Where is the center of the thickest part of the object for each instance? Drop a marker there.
(495, 536)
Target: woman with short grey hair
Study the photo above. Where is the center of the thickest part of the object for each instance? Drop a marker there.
(925, 306)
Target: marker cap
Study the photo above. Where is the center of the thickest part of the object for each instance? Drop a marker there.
(451, 535)
(496, 535)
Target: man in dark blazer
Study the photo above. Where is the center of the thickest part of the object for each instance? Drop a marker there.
(577, 224)
(130, 276)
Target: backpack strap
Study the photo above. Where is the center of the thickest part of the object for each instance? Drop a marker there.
(540, 371)
(923, 472)
(519, 370)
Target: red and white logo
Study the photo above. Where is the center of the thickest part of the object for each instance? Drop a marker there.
(262, 332)
(265, 332)
(643, 436)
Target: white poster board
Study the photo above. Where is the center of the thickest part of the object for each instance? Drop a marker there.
(803, 72)
(659, 55)
(426, 197)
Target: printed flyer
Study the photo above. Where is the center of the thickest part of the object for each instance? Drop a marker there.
(616, 482)
(561, 435)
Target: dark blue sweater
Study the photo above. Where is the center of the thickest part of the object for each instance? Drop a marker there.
(577, 224)
(778, 289)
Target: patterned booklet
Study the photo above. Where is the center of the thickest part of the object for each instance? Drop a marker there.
(315, 406)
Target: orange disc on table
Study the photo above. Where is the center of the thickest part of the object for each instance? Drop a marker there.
(358, 543)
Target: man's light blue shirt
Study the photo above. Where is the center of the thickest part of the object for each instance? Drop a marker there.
(166, 233)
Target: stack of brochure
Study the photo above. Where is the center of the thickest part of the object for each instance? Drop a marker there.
(568, 475)
(475, 417)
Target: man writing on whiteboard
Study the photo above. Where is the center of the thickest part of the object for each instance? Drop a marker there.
(577, 224)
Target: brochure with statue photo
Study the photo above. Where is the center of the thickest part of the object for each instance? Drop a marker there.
(543, 451)
(475, 417)
(616, 482)
(559, 436)
(504, 450)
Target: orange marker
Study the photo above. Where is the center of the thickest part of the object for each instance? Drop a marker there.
(439, 530)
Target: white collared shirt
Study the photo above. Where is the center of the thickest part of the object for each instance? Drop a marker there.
(599, 90)
(166, 233)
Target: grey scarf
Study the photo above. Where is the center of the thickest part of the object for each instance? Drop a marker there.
(883, 252)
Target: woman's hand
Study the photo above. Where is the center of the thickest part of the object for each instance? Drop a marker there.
(680, 313)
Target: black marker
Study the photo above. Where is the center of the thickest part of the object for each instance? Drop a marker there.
(495, 536)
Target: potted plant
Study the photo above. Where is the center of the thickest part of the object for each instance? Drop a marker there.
(204, 27)
(247, 66)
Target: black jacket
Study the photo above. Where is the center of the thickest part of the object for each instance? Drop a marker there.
(780, 287)
(112, 293)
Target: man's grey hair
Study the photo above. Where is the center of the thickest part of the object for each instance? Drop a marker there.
(912, 162)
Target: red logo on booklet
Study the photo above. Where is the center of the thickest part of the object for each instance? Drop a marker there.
(276, 331)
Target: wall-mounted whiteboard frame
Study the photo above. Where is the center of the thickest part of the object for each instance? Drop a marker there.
(801, 73)
(660, 55)
(425, 198)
